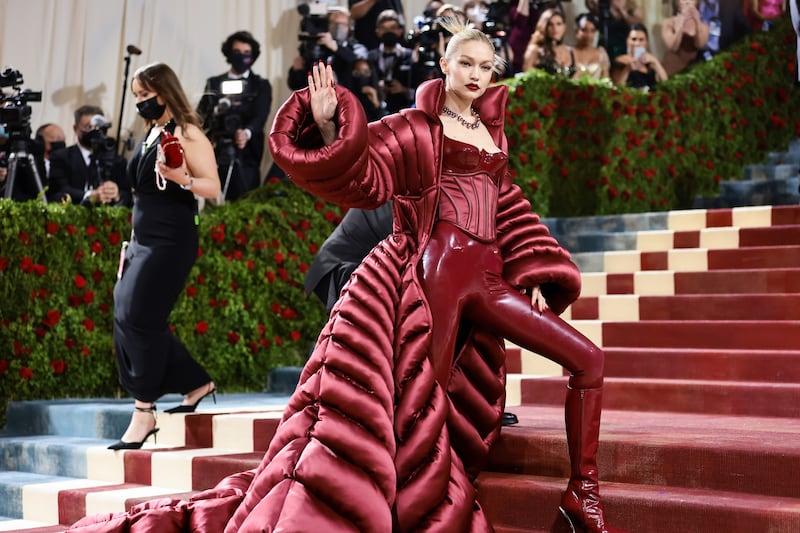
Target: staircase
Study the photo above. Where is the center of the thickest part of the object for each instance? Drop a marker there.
(699, 315)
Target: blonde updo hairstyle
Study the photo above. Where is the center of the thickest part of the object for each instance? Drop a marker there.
(464, 32)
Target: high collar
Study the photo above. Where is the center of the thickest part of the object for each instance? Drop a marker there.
(491, 105)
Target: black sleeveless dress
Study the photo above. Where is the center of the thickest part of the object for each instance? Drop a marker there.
(152, 360)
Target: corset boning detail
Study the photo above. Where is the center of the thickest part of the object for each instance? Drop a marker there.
(469, 188)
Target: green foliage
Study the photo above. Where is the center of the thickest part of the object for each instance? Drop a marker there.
(244, 310)
(582, 147)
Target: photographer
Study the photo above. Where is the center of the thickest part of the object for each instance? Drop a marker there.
(89, 172)
(334, 46)
(392, 63)
(234, 109)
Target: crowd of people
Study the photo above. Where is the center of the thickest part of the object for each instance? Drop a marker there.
(382, 55)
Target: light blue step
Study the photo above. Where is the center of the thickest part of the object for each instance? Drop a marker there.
(11, 486)
(53, 455)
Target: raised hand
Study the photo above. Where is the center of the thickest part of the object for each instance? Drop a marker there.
(323, 99)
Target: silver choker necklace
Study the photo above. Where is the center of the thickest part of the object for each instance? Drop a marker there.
(464, 122)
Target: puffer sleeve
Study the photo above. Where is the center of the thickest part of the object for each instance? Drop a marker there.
(531, 256)
(344, 173)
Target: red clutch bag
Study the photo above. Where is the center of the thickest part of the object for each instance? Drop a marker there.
(171, 149)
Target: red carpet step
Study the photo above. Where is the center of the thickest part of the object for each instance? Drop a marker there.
(749, 398)
(778, 366)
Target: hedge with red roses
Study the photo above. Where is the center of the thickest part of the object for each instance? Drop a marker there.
(243, 311)
(578, 148)
(588, 148)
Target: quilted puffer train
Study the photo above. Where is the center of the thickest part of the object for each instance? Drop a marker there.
(369, 441)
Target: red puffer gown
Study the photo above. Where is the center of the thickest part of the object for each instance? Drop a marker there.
(369, 441)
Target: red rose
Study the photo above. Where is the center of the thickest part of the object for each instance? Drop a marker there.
(4, 364)
(270, 275)
(80, 281)
(96, 247)
(24, 238)
(303, 268)
(90, 230)
(88, 297)
(53, 318)
(51, 228)
(25, 373)
(288, 314)
(86, 352)
(114, 238)
(88, 323)
(283, 274)
(70, 343)
(191, 291)
(233, 337)
(312, 247)
(58, 366)
(295, 335)
(201, 328)
(71, 230)
(97, 275)
(39, 270)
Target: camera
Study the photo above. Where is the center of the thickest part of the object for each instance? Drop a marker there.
(15, 116)
(15, 113)
(104, 148)
(225, 117)
(426, 38)
(314, 22)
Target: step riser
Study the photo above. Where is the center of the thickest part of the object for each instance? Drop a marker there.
(773, 367)
(722, 398)
(688, 307)
(734, 335)
(534, 505)
(746, 471)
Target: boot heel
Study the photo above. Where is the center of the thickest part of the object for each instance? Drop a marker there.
(568, 518)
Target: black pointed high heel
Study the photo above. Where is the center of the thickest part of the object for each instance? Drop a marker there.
(192, 407)
(122, 445)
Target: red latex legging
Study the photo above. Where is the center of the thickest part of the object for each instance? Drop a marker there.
(462, 280)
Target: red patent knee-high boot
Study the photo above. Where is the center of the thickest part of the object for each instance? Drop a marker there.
(580, 504)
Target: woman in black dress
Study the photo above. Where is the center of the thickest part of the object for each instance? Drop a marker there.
(163, 248)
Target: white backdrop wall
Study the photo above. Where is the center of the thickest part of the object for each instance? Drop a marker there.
(74, 50)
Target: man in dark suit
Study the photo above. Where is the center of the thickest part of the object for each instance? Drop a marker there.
(89, 172)
(392, 63)
(234, 108)
(48, 138)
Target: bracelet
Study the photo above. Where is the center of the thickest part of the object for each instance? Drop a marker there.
(189, 185)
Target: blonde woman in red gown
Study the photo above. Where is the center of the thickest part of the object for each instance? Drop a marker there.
(402, 397)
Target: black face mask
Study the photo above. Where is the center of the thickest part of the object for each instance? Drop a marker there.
(57, 145)
(150, 109)
(240, 62)
(86, 138)
(390, 39)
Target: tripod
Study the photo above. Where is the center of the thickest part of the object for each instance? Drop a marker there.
(19, 155)
(229, 150)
